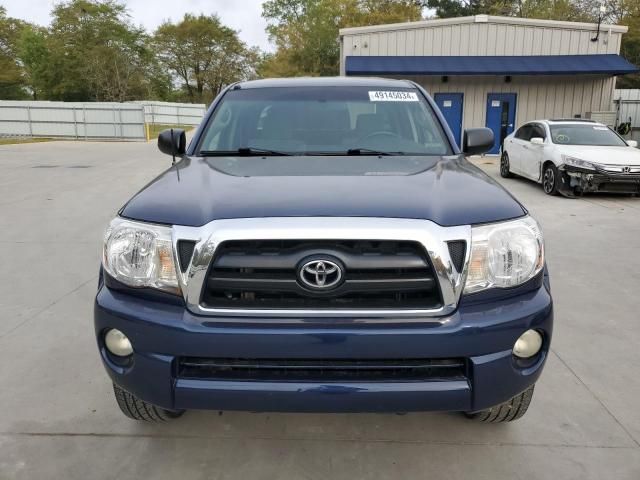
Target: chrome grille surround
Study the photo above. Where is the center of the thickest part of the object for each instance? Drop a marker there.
(622, 169)
(431, 236)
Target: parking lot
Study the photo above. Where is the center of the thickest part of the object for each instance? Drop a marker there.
(58, 418)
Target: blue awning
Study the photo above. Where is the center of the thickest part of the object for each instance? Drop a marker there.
(608, 64)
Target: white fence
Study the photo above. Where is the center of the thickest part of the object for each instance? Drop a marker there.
(82, 121)
(627, 104)
(166, 113)
(92, 121)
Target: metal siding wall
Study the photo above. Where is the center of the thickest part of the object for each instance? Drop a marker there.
(537, 97)
(481, 39)
(630, 108)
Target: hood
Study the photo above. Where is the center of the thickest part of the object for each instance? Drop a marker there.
(603, 155)
(448, 191)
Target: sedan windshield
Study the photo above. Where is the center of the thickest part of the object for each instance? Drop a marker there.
(573, 134)
(356, 121)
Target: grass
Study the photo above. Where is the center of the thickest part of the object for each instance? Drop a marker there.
(155, 129)
(13, 141)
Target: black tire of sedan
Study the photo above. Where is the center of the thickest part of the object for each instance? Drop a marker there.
(504, 166)
(550, 178)
(138, 409)
(508, 411)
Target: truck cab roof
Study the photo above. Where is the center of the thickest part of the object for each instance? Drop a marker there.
(372, 82)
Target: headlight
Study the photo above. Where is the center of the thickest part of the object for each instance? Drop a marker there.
(576, 162)
(140, 255)
(504, 254)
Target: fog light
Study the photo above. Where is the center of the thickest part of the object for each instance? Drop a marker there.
(528, 344)
(118, 343)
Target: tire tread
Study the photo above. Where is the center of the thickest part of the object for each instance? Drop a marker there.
(511, 410)
(138, 409)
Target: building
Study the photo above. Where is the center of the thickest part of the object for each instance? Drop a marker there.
(497, 72)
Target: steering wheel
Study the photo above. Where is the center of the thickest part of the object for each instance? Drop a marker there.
(562, 138)
(380, 133)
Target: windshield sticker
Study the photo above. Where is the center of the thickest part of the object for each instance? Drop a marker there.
(387, 96)
(600, 128)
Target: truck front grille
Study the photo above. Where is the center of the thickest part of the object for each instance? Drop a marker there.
(321, 370)
(264, 274)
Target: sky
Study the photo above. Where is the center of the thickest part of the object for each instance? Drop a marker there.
(242, 15)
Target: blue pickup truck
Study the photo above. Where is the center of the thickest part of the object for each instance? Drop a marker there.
(323, 245)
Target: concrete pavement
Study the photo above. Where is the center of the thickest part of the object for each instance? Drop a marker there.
(58, 418)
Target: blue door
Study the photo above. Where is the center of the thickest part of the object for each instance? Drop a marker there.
(450, 104)
(501, 116)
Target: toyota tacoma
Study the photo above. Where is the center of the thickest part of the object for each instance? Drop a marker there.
(323, 245)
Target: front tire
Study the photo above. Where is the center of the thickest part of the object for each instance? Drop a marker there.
(138, 409)
(508, 411)
(550, 179)
(505, 171)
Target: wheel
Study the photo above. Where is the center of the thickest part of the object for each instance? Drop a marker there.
(550, 179)
(508, 411)
(138, 409)
(504, 166)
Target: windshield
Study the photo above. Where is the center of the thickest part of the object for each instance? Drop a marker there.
(585, 135)
(324, 121)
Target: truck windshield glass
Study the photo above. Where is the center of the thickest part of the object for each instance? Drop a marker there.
(596, 135)
(359, 121)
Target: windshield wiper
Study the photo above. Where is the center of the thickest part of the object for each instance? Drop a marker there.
(242, 151)
(369, 151)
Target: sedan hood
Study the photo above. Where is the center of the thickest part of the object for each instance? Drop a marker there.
(446, 190)
(603, 155)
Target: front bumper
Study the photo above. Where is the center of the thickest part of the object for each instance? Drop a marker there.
(577, 180)
(482, 332)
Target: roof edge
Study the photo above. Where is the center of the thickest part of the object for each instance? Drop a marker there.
(483, 19)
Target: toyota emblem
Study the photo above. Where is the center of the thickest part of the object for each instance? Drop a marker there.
(320, 274)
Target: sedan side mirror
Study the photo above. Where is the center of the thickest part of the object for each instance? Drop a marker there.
(537, 141)
(632, 143)
(172, 142)
(476, 141)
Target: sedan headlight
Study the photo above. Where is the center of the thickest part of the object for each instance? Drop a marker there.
(578, 163)
(140, 255)
(504, 254)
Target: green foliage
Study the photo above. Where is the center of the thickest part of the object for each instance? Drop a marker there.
(96, 53)
(11, 75)
(204, 55)
(34, 54)
(631, 46)
(93, 51)
(305, 32)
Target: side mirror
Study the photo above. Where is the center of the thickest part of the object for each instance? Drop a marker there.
(476, 141)
(537, 141)
(172, 142)
(632, 143)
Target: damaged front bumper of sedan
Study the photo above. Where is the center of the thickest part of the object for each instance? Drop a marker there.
(610, 179)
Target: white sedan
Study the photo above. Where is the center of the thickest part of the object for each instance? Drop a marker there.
(572, 157)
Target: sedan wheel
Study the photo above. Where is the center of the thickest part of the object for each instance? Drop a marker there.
(550, 180)
(504, 166)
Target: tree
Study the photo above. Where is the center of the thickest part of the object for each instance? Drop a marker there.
(34, 56)
(305, 32)
(462, 8)
(630, 48)
(95, 52)
(11, 73)
(204, 55)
